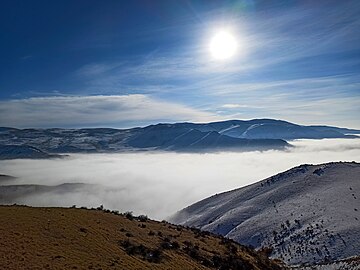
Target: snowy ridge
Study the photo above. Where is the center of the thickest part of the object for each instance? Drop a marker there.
(228, 128)
(232, 135)
(310, 213)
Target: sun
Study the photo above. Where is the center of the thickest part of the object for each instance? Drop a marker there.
(223, 45)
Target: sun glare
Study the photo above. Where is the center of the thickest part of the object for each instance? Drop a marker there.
(223, 45)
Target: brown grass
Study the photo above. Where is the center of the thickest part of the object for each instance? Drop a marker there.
(68, 238)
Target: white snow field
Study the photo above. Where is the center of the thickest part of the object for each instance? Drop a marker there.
(308, 214)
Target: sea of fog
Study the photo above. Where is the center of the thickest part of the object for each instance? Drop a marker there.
(159, 184)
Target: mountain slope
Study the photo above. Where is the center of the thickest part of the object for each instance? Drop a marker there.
(164, 137)
(180, 138)
(271, 129)
(232, 135)
(60, 238)
(23, 151)
(307, 214)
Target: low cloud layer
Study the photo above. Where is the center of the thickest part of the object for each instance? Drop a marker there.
(84, 111)
(159, 184)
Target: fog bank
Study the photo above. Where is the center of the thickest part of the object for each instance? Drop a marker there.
(159, 184)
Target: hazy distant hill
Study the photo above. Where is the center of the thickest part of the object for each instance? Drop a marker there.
(234, 135)
(20, 193)
(4, 178)
(307, 214)
(60, 238)
(12, 151)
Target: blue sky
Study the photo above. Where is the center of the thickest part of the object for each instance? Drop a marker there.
(90, 63)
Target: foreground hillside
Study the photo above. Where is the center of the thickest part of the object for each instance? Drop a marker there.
(69, 238)
(308, 214)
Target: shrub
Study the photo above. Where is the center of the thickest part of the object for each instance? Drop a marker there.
(266, 251)
(175, 245)
(129, 215)
(142, 218)
(154, 256)
(166, 245)
(206, 262)
(216, 260)
(151, 255)
(193, 253)
(124, 243)
(232, 248)
(187, 243)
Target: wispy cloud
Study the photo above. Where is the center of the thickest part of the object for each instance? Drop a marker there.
(295, 63)
(233, 106)
(343, 112)
(96, 69)
(309, 87)
(286, 44)
(334, 100)
(80, 111)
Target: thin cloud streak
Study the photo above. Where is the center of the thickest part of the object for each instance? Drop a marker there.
(184, 73)
(191, 76)
(266, 39)
(84, 111)
(342, 112)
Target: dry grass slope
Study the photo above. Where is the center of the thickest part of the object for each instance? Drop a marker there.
(69, 238)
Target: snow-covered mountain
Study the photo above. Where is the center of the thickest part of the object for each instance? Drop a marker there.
(308, 214)
(271, 129)
(234, 135)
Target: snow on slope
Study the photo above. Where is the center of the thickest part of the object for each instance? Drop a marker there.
(352, 263)
(163, 137)
(310, 213)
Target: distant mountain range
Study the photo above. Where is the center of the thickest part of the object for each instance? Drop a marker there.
(308, 214)
(233, 135)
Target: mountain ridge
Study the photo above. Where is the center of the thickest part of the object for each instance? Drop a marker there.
(231, 135)
(308, 213)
